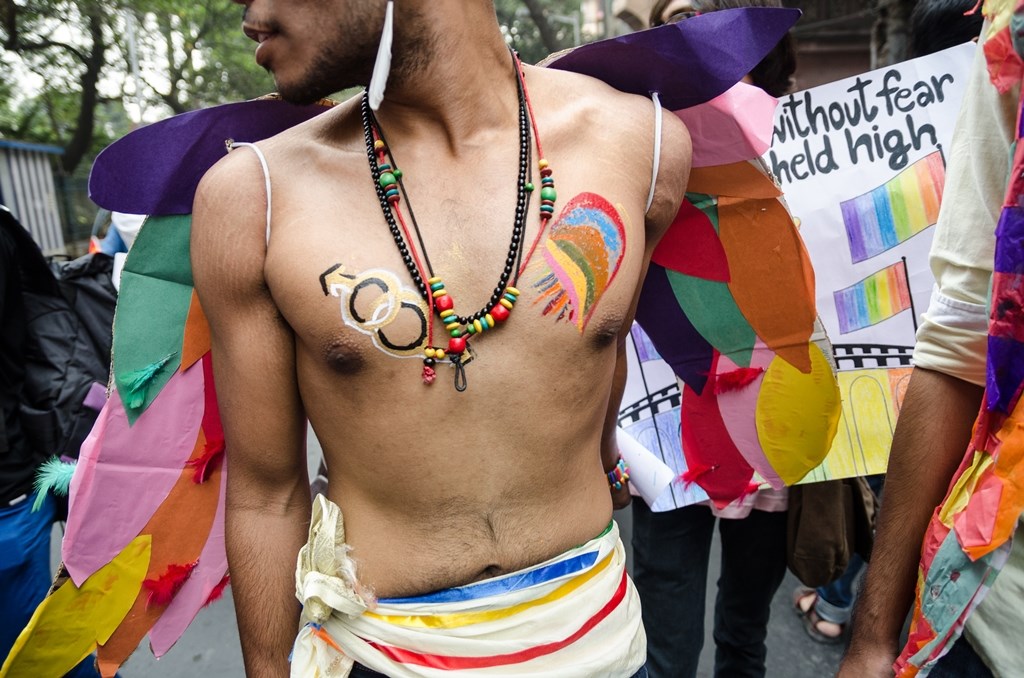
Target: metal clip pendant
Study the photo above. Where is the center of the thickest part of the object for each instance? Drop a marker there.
(460, 373)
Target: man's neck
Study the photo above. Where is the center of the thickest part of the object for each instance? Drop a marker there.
(462, 84)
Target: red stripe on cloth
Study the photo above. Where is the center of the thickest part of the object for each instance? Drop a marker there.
(436, 661)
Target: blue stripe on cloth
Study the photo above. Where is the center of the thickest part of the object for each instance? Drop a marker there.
(502, 585)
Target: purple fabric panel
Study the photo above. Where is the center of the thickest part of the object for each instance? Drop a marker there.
(96, 398)
(671, 332)
(156, 169)
(1010, 241)
(688, 63)
(1005, 353)
(1005, 372)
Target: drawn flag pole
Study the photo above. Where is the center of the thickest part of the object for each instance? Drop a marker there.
(645, 351)
(910, 293)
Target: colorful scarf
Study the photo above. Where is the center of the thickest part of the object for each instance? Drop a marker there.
(575, 615)
(971, 533)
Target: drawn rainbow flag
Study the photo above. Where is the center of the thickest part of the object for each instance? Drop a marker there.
(896, 211)
(876, 298)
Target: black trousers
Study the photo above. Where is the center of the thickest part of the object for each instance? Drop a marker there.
(670, 570)
(961, 662)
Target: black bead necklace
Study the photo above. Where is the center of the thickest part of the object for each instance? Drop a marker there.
(387, 179)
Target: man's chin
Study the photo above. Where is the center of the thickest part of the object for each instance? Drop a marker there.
(300, 94)
(300, 98)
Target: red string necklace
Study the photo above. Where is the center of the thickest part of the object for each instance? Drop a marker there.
(390, 189)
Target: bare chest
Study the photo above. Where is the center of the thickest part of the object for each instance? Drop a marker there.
(452, 276)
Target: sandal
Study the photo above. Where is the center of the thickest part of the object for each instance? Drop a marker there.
(800, 594)
(812, 625)
(812, 621)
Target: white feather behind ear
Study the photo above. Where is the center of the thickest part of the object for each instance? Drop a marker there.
(382, 66)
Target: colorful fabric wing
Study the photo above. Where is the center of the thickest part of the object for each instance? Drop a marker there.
(145, 537)
(969, 538)
(144, 544)
(1002, 49)
(729, 297)
(688, 63)
(732, 280)
(156, 169)
(171, 497)
(732, 272)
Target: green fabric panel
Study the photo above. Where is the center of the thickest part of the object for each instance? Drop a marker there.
(950, 595)
(161, 249)
(711, 308)
(152, 305)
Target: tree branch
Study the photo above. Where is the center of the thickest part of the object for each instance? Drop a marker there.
(548, 35)
(14, 43)
(82, 137)
(9, 21)
(38, 46)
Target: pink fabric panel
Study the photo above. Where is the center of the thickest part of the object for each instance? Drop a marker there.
(125, 472)
(735, 126)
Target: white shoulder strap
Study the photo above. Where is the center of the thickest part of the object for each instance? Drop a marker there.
(657, 149)
(266, 176)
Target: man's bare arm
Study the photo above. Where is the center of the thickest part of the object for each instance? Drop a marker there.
(676, 156)
(929, 443)
(268, 503)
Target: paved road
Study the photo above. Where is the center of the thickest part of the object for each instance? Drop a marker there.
(210, 646)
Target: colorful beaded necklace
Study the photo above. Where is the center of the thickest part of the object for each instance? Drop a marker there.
(387, 180)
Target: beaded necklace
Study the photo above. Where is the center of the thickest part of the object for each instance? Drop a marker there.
(387, 180)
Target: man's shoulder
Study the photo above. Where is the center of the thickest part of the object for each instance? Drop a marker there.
(612, 123)
(243, 171)
(593, 102)
(230, 203)
(592, 105)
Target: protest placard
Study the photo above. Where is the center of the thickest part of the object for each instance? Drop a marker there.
(862, 165)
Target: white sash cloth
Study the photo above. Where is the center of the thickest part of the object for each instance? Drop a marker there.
(575, 615)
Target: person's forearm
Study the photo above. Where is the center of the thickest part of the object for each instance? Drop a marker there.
(929, 443)
(263, 542)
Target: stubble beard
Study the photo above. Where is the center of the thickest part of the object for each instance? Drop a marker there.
(337, 68)
(333, 70)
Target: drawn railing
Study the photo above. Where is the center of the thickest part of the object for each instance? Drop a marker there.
(859, 356)
(664, 400)
(848, 356)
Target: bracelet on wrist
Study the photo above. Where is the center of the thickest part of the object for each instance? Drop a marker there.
(618, 476)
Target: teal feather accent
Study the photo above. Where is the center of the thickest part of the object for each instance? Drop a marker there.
(135, 384)
(53, 476)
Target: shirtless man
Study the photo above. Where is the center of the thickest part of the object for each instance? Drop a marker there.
(438, 488)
